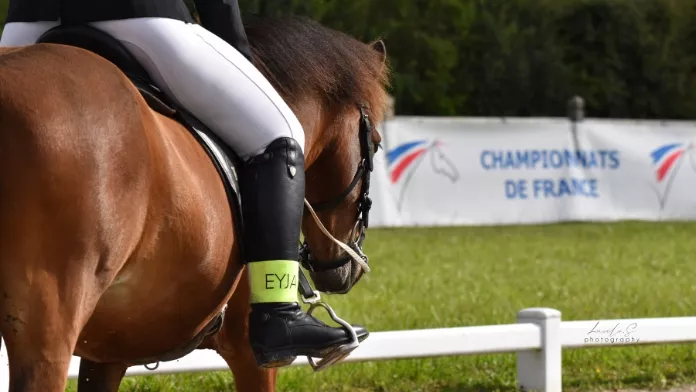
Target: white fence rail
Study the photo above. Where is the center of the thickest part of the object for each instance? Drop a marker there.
(538, 338)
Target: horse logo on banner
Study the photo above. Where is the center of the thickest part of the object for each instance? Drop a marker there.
(666, 160)
(404, 160)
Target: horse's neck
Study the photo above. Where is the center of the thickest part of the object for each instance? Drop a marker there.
(315, 123)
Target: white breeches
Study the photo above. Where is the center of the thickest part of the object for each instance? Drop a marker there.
(199, 71)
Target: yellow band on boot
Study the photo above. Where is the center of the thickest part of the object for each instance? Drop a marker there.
(273, 280)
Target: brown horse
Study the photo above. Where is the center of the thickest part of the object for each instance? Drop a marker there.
(117, 240)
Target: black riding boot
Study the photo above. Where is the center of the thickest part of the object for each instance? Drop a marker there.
(272, 187)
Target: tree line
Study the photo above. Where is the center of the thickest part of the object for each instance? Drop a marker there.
(626, 58)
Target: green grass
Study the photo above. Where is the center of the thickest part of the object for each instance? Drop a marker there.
(449, 277)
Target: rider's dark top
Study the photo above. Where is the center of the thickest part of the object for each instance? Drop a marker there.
(221, 17)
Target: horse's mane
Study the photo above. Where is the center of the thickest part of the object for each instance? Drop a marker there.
(302, 58)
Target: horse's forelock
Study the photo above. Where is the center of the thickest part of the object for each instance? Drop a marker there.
(302, 58)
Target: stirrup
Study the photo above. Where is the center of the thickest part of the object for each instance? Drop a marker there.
(334, 354)
(337, 353)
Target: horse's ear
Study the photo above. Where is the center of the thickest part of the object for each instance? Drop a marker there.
(380, 48)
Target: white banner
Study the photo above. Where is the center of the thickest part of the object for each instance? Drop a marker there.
(470, 171)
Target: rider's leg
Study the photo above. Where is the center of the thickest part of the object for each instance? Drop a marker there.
(225, 91)
(24, 33)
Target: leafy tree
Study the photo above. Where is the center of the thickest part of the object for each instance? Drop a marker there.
(627, 58)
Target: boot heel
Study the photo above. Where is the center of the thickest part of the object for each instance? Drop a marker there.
(274, 360)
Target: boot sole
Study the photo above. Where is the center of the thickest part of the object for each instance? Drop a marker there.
(281, 358)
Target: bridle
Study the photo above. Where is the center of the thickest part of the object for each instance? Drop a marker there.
(353, 251)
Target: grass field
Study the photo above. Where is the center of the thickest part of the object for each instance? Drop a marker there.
(448, 277)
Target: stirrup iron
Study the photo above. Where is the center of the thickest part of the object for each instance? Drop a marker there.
(338, 353)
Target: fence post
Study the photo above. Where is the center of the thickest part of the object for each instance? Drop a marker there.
(4, 368)
(540, 370)
(576, 114)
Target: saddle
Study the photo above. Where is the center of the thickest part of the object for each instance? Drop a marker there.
(226, 161)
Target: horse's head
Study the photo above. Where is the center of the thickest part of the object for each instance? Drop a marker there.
(335, 84)
(442, 164)
(338, 183)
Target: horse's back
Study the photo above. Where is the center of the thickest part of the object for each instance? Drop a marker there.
(116, 206)
(53, 101)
